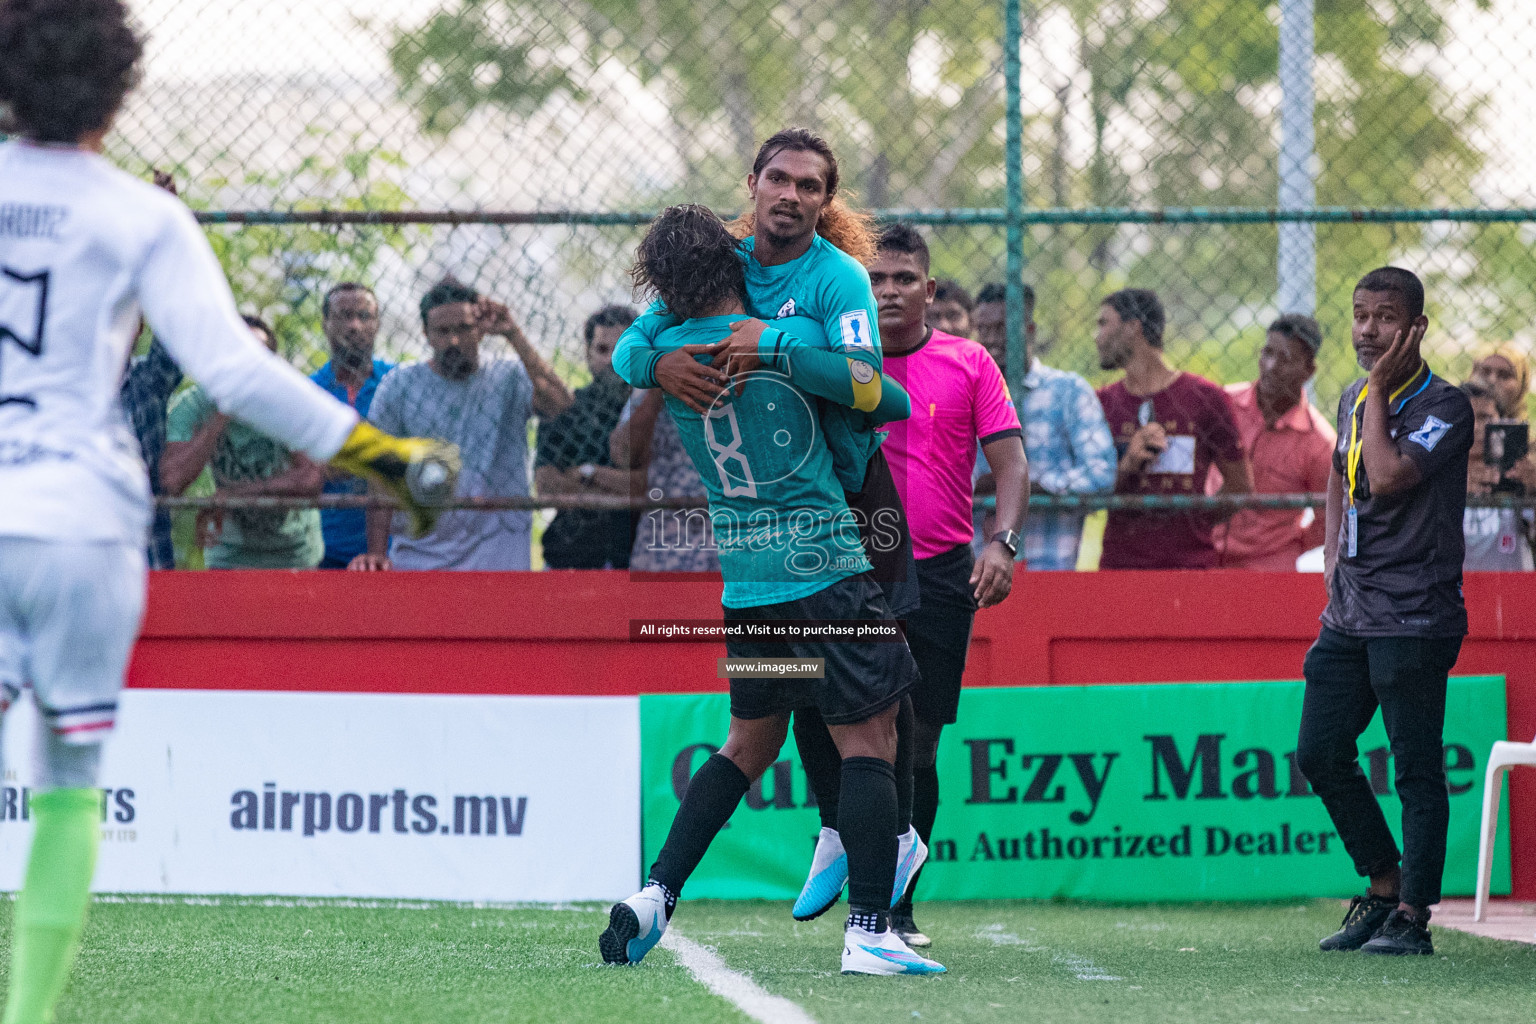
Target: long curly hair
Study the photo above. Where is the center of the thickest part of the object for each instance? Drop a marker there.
(849, 230)
(690, 261)
(67, 66)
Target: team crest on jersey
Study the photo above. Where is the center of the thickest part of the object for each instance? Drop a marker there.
(855, 330)
(1430, 433)
(788, 309)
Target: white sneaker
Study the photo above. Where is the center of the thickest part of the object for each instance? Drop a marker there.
(911, 852)
(634, 926)
(829, 873)
(865, 952)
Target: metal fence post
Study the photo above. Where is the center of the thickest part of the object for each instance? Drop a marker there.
(1013, 165)
(1297, 258)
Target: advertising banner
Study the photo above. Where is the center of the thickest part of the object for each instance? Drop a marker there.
(314, 794)
(1151, 792)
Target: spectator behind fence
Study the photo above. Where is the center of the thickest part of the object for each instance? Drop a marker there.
(668, 539)
(950, 310)
(350, 316)
(245, 464)
(1068, 447)
(1502, 370)
(572, 458)
(146, 396)
(1498, 539)
(483, 406)
(1289, 448)
(148, 384)
(989, 322)
(1169, 428)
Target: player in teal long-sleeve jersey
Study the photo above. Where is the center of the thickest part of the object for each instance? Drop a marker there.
(790, 552)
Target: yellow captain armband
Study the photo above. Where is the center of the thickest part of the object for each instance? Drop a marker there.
(866, 385)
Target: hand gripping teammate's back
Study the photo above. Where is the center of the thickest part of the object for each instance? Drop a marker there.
(85, 250)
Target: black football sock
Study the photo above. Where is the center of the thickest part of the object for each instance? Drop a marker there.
(866, 820)
(875, 921)
(925, 808)
(822, 763)
(906, 721)
(710, 800)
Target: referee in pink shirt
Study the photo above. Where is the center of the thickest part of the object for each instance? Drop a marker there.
(958, 399)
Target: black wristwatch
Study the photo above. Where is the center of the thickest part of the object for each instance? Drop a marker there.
(1010, 540)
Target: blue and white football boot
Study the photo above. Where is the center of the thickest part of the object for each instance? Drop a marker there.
(865, 952)
(635, 926)
(911, 853)
(829, 873)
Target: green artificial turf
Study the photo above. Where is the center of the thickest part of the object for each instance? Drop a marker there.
(339, 962)
(343, 962)
(1061, 962)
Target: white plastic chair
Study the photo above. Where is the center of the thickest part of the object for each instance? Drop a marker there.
(1504, 756)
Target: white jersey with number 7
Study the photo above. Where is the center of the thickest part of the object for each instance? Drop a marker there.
(84, 249)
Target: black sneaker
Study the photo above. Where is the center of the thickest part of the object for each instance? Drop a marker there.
(1366, 915)
(1402, 936)
(906, 929)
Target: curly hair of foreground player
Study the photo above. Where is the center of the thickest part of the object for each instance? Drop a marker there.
(68, 64)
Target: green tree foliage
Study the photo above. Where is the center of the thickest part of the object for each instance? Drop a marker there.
(1193, 91)
(281, 271)
(1177, 101)
(731, 73)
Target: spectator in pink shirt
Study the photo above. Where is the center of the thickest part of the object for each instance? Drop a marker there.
(1289, 447)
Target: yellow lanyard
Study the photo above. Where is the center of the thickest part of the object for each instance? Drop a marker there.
(1356, 441)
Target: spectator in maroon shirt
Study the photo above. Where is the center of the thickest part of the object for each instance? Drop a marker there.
(1169, 428)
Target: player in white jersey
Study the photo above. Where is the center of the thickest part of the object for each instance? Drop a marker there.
(84, 251)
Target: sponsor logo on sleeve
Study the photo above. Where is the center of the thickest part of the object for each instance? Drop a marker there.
(1430, 433)
(856, 333)
(862, 372)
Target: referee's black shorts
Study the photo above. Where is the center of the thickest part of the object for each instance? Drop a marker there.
(939, 633)
(862, 679)
(887, 537)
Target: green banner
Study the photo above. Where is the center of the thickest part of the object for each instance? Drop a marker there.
(1161, 792)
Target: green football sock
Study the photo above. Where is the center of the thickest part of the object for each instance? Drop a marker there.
(50, 911)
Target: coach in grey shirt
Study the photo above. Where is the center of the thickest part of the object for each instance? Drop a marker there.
(483, 406)
(1395, 618)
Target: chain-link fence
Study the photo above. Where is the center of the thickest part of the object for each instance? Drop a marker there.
(575, 119)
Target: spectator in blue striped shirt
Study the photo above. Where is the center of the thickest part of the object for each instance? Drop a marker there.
(1066, 438)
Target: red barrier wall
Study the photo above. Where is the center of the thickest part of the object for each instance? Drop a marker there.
(568, 633)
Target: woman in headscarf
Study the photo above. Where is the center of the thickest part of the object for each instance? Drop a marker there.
(1506, 373)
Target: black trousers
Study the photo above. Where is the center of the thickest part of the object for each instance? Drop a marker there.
(1347, 679)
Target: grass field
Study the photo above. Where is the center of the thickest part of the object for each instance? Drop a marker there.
(171, 961)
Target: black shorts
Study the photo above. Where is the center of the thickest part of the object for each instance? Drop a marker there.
(886, 536)
(862, 678)
(939, 633)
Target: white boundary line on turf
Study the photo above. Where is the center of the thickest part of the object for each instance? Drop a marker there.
(733, 986)
(327, 902)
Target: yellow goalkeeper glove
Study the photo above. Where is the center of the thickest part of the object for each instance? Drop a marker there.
(419, 472)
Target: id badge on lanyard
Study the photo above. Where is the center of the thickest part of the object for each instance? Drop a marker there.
(1352, 531)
